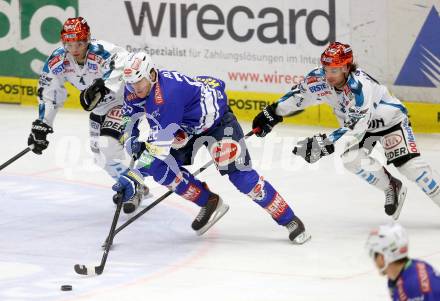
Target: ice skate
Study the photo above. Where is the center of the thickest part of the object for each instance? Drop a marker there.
(209, 214)
(297, 232)
(395, 196)
(131, 205)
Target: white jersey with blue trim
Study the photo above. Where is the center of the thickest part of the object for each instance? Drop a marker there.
(363, 105)
(103, 60)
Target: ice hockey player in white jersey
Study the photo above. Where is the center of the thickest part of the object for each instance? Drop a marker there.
(367, 114)
(94, 68)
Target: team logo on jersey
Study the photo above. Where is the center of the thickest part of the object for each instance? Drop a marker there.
(225, 152)
(422, 66)
(158, 99)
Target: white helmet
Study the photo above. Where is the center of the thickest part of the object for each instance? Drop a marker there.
(137, 66)
(389, 240)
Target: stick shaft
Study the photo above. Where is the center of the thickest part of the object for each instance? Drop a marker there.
(111, 235)
(16, 157)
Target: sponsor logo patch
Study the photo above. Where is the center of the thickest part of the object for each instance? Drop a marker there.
(54, 60)
(225, 152)
(115, 113)
(257, 193)
(131, 96)
(192, 193)
(422, 273)
(180, 139)
(158, 99)
(311, 79)
(277, 206)
(411, 140)
(391, 141)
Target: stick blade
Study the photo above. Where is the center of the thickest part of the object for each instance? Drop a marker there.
(99, 270)
(84, 270)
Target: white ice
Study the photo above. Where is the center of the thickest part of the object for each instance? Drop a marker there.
(56, 210)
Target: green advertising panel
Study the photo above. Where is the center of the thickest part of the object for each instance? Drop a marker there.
(29, 32)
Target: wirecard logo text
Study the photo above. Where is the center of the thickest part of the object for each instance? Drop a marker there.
(240, 23)
(422, 66)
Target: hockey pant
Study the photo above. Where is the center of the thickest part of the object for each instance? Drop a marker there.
(104, 141)
(400, 150)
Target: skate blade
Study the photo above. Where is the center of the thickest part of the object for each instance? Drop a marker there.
(302, 238)
(402, 197)
(216, 216)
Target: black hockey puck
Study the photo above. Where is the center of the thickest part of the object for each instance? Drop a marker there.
(66, 287)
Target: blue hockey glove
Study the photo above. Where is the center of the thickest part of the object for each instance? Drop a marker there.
(128, 184)
(134, 147)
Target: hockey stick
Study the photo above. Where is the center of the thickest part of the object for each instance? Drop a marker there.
(16, 157)
(97, 270)
(160, 199)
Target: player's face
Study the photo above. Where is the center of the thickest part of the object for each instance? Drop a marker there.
(379, 260)
(141, 88)
(77, 49)
(336, 76)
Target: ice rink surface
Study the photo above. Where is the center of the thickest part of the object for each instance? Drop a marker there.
(56, 211)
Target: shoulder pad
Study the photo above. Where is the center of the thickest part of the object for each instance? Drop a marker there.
(96, 48)
(354, 84)
(316, 75)
(319, 72)
(55, 61)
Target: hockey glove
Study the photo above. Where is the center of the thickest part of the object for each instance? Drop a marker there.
(134, 147)
(128, 184)
(91, 96)
(314, 148)
(266, 120)
(38, 136)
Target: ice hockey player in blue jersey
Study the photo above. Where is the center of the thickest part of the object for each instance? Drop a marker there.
(169, 117)
(367, 114)
(408, 279)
